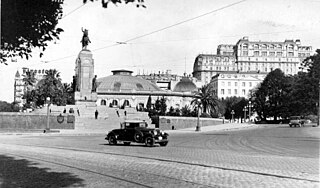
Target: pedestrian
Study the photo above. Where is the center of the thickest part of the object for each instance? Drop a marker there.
(125, 113)
(64, 110)
(117, 112)
(96, 113)
(78, 111)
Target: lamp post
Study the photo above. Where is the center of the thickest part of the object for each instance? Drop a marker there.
(48, 114)
(198, 128)
(249, 111)
(245, 111)
(232, 113)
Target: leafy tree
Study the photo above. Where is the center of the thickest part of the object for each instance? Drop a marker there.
(26, 25)
(271, 97)
(163, 105)
(139, 3)
(206, 99)
(305, 87)
(236, 104)
(149, 103)
(7, 107)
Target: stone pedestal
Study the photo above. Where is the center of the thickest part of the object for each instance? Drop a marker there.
(84, 75)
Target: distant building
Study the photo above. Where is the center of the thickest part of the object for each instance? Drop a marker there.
(267, 56)
(122, 89)
(254, 59)
(229, 84)
(19, 85)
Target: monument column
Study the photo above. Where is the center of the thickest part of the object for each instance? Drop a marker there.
(84, 75)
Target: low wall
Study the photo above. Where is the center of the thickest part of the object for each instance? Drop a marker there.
(166, 122)
(28, 121)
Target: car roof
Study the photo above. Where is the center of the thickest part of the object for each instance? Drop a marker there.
(134, 121)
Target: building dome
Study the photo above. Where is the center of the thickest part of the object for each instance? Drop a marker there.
(123, 81)
(185, 85)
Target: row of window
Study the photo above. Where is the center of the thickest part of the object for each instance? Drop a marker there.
(271, 54)
(243, 84)
(235, 92)
(265, 46)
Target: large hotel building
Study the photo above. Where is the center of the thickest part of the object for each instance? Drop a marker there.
(237, 69)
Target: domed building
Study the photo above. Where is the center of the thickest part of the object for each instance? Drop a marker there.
(124, 90)
(185, 85)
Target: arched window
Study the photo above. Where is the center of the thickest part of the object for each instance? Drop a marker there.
(126, 103)
(114, 103)
(103, 103)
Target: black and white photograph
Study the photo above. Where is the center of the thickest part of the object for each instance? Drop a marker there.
(160, 93)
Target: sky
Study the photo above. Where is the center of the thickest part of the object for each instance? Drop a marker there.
(167, 35)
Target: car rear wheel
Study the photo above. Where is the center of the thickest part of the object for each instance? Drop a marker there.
(163, 143)
(149, 141)
(112, 140)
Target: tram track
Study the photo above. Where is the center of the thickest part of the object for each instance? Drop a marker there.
(171, 161)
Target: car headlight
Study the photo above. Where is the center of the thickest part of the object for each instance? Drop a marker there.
(155, 132)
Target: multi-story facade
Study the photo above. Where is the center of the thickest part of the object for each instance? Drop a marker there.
(234, 83)
(19, 85)
(207, 65)
(254, 59)
(266, 56)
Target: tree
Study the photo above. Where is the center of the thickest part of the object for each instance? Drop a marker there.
(236, 104)
(271, 97)
(205, 99)
(149, 103)
(29, 82)
(26, 25)
(50, 86)
(7, 107)
(305, 87)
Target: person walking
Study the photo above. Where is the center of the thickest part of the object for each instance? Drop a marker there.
(96, 113)
(78, 111)
(117, 112)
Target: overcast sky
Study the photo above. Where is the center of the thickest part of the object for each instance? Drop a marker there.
(182, 33)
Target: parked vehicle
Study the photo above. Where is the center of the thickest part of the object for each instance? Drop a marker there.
(137, 131)
(296, 121)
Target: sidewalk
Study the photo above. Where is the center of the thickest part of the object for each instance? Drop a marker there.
(227, 126)
(80, 132)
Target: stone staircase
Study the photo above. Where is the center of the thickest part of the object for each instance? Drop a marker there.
(107, 120)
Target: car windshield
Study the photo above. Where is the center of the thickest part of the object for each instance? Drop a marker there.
(295, 117)
(136, 124)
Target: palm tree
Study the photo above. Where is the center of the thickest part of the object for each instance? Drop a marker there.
(29, 80)
(205, 99)
(29, 83)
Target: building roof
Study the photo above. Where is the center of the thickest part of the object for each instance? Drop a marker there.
(185, 85)
(124, 83)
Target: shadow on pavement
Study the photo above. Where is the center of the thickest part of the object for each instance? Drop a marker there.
(23, 173)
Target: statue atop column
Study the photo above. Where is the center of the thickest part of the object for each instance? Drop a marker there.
(85, 38)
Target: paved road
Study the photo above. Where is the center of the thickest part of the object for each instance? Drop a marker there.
(264, 156)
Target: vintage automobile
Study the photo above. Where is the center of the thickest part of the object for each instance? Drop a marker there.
(296, 121)
(137, 131)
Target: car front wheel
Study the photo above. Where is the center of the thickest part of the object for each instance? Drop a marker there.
(149, 141)
(112, 140)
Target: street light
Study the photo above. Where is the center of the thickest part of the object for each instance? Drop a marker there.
(232, 113)
(198, 128)
(245, 111)
(48, 114)
(250, 110)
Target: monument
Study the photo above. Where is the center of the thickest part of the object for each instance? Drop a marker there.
(84, 72)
